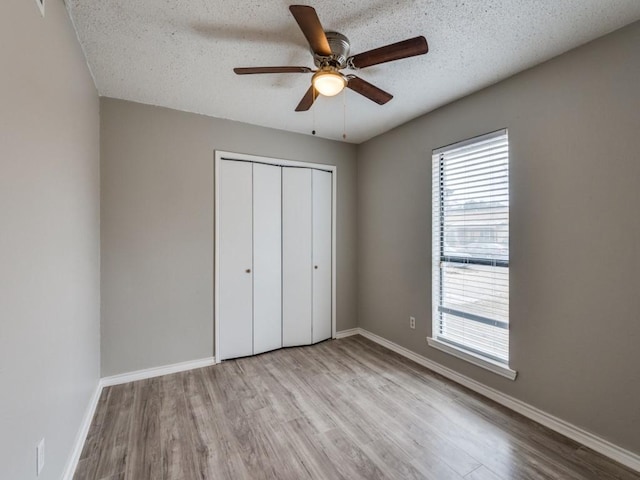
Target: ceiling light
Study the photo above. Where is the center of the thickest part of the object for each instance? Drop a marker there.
(328, 82)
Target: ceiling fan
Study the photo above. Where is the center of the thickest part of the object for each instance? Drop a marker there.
(331, 54)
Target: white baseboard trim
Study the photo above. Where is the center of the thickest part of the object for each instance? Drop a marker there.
(347, 333)
(606, 448)
(78, 444)
(600, 445)
(156, 371)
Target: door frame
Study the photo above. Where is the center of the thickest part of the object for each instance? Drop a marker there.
(220, 155)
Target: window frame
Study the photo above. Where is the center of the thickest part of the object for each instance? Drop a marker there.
(467, 353)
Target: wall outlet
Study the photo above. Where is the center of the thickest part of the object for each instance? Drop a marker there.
(412, 322)
(40, 456)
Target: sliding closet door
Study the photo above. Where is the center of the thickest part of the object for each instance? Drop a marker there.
(267, 258)
(322, 235)
(235, 258)
(296, 256)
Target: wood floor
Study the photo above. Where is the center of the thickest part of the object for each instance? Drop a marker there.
(344, 409)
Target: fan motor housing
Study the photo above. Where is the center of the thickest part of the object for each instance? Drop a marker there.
(340, 46)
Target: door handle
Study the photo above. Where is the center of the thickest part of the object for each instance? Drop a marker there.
(316, 267)
(248, 270)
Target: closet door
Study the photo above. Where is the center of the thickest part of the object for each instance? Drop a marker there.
(267, 258)
(296, 256)
(235, 257)
(322, 265)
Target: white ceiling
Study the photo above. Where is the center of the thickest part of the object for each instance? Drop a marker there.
(180, 53)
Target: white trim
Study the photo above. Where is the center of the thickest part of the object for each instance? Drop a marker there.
(81, 436)
(220, 155)
(600, 445)
(216, 254)
(348, 333)
(156, 371)
(334, 248)
(475, 359)
(604, 447)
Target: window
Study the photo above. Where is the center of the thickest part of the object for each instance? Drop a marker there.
(470, 222)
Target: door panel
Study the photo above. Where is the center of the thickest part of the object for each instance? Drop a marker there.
(235, 257)
(322, 265)
(267, 258)
(296, 256)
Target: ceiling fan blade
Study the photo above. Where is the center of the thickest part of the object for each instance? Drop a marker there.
(395, 51)
(368, 90)
(309, 23)
(252, 70)
(307, 100)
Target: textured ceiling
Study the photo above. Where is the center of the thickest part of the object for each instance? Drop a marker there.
(180, 53)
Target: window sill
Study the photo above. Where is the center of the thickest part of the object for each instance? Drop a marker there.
(474, 359)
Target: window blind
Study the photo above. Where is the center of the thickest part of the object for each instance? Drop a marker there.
(470, 222)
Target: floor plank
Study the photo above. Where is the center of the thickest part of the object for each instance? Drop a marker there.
(343, 409)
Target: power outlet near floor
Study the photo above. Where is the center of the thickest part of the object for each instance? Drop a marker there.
(40, 456)
(412, 322)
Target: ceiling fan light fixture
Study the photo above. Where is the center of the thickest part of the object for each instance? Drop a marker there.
(330, 52)
(328, 82)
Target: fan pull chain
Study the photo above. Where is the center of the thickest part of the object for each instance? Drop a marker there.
(313, 112)
(344, 114)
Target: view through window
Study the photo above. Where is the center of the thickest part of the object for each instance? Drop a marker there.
(470, 222)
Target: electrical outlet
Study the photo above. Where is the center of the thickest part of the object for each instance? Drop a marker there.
(40, 456)
(412, 322)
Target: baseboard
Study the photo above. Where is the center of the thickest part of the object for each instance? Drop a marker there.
(600, 445)
(347, 333)
(156, 371)
(604, 447)
(81, 436)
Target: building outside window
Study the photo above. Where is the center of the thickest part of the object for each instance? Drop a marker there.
(470, 274)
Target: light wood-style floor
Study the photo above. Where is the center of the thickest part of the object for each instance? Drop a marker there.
(344, 409)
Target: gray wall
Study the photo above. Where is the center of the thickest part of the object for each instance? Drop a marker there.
(574, 126)
(49, 238)
(157, 227)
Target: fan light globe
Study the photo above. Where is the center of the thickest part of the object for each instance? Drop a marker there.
(329, 83)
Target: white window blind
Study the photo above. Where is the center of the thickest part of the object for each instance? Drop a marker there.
(471, 246)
